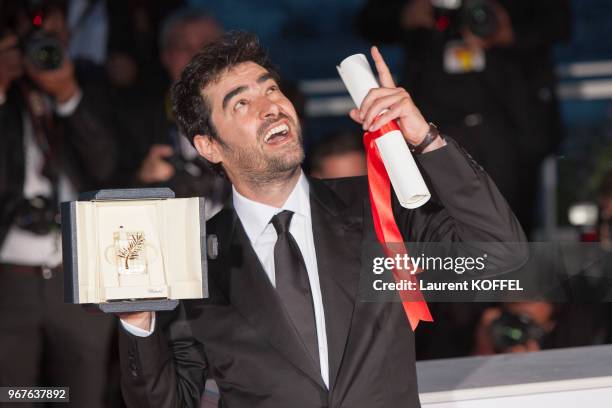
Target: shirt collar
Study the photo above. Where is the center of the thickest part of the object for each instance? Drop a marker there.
(256, 216)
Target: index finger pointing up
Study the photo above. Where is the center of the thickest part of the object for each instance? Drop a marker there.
(384, 75)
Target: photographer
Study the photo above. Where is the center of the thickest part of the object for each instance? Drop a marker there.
(516, 327)
(55, 142)
(157, 154)
(483, 70)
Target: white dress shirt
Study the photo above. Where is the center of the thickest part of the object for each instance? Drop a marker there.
(22, 247)
(255, 218)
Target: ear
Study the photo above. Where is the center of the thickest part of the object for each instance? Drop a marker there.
(208, 148)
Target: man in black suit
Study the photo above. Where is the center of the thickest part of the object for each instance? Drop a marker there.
(157, 155)
(249, 335)
(55, 141)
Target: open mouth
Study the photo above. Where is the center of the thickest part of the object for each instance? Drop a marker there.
(277, 134)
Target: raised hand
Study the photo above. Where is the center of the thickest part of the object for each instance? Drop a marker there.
(388, 103)
(155, 168)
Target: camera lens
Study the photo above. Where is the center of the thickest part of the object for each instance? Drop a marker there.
(44, 51)
(480, 18)
(510, 330)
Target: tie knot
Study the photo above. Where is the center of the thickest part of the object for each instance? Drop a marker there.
(281, 221)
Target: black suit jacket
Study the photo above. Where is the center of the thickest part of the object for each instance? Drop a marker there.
(240, 336)
(86, 138)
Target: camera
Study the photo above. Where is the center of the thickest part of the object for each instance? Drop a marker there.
(42, 49)
(478, 16)
(38, 215)
(511, 330)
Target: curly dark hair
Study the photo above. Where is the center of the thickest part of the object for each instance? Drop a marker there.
(192, 110)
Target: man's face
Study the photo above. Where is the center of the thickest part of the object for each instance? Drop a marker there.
(185, 41)
(258, 127)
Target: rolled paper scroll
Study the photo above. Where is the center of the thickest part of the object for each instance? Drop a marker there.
(389, 162)
(408, 184)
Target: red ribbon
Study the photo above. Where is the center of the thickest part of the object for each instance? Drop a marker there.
(387, 232)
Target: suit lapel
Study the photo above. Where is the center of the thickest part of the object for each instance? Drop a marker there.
(241, 277)
(245, 283)
(338, 230)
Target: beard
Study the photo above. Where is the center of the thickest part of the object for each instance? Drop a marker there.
(258, 166)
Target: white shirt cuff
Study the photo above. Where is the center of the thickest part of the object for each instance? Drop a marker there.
(67, 108)
(137, 331)
(2, 98)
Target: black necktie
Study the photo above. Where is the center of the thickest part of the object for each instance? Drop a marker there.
(292, 283)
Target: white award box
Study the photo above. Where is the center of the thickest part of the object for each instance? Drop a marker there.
(134, 249)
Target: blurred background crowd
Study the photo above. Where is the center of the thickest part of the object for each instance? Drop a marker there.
(525, 87)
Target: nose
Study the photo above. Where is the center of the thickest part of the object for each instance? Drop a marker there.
(268, 108)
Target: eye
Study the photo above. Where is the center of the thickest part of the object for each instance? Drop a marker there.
(242, 103)
(272, 88)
